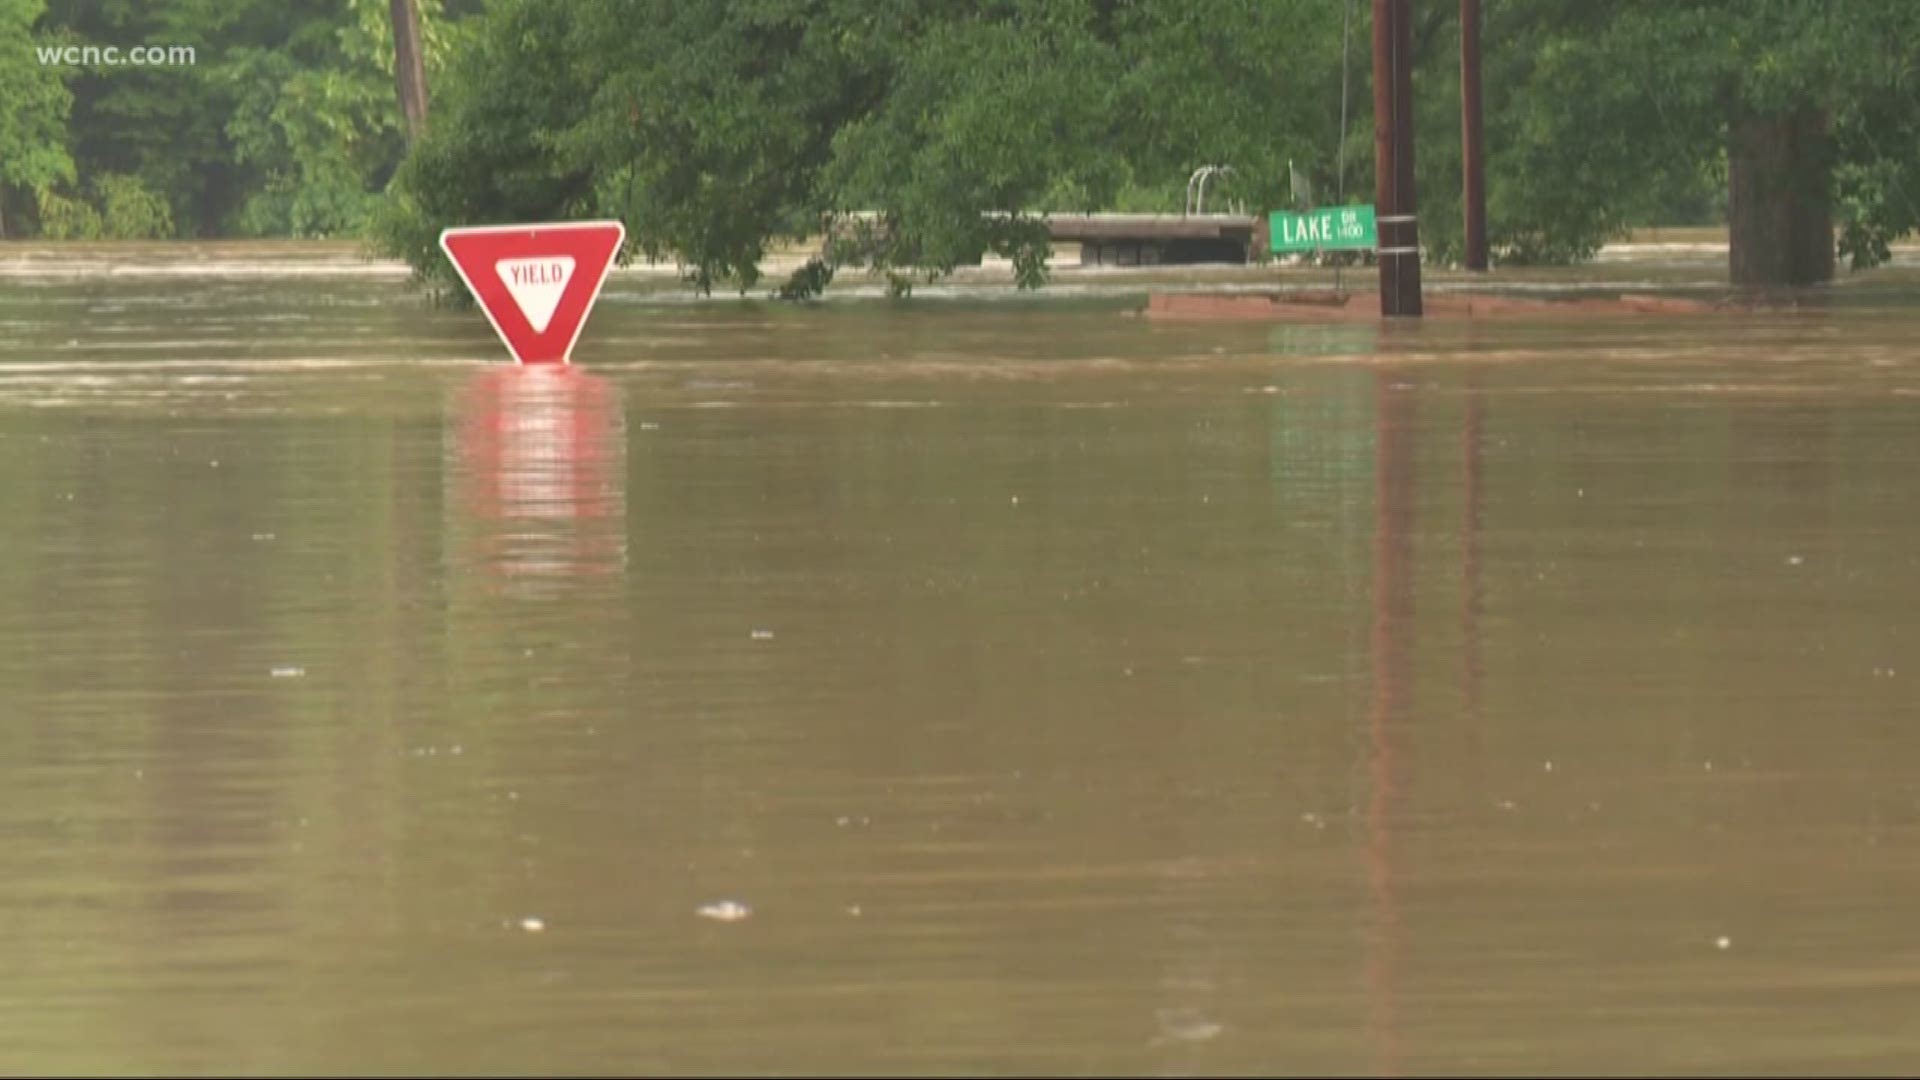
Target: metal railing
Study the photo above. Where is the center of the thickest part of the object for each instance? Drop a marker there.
(1197, 187)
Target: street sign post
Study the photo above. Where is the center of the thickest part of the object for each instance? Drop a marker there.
(1330, 228)
(536, 283)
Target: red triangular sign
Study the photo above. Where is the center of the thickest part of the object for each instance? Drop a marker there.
(536, 282)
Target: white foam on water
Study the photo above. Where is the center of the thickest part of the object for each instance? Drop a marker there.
(114, 368)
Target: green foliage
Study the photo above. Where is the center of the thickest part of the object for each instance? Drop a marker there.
(711, 134)
(158, 123)
(1594, 122)
(129, 211)
(1603, 116)
(33, 152)
(1877, 141)
(287, 124)
(491, 152)
(1251, 85)
(714, 129)
(317, 119)
(982, 116)
(122, 208)
(66, 218)
(718, 128)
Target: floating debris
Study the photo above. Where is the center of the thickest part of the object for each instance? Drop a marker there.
(724, 911)
(434, 751)
(762, 635)
(1186, 1024)
(533, 924)
(264, 536)
(1723, 942)
(1795, 560)
(288, 672)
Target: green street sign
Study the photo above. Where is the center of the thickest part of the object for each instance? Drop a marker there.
(1326, 229)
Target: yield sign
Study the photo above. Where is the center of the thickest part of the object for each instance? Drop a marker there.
(535, 282)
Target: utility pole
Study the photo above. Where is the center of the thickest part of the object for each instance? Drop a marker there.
(409, 67)
(1474, 182)
(1399, 232)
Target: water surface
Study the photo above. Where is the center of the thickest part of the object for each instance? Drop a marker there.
(1054, 690)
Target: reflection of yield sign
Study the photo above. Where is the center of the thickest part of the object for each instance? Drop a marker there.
(536, 282)
(541, 459)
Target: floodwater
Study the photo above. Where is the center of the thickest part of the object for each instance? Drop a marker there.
(953, 686)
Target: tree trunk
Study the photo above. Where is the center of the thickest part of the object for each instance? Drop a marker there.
(1780, 199)
(409, 68)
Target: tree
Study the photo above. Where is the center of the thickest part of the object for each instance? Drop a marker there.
(285, 125)
(315, 123)
(409, 66)
(33, 147)
(1801, 111)
(719, 128)
(716, 128)
(492, 153)
(160, 125)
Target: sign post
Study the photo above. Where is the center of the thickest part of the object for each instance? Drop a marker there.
(536, 283)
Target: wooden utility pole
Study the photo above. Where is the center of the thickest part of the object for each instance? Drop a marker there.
(1474, 182)
(409, 67)
(1399, 232)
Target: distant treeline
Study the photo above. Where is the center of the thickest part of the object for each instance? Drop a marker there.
(715, 128)
(284, 123)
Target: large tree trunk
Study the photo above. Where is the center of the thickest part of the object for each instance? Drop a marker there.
(409, 67)
(1780, 199)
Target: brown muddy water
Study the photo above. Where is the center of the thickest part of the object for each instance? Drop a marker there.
(953, 686)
